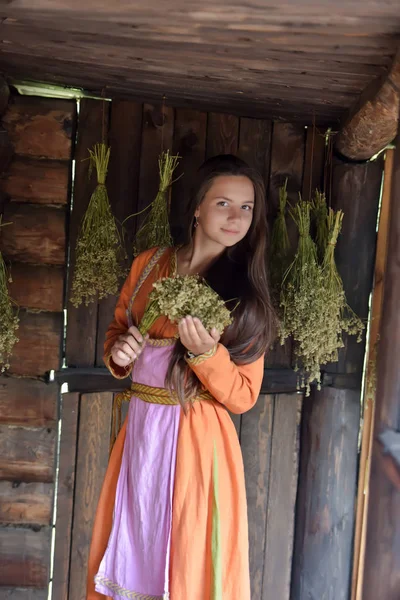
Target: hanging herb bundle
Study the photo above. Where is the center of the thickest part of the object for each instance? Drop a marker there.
(280, 245)
(155, 230)
(340, 317)
(180, 296)
(320, 215)
(302, 300)
(99, 251)
(9, 320)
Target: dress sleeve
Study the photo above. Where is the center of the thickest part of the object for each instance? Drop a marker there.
(119, 324)
(235, 386)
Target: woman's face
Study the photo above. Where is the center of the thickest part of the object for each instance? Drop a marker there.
(226, 213)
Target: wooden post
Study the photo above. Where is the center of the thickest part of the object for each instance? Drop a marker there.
(382, 560)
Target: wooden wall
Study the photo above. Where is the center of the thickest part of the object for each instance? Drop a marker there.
(35, 191)
(277, 428)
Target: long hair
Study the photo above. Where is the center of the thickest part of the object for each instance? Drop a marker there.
(239, 276)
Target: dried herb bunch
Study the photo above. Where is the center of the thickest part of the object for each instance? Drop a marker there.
(180, 296)
(280, 245)
(9, 320)
(99, 252)
(320, 216)
(155, 230)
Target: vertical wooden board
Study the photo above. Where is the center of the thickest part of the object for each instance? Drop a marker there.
(27, 454)
(157, 135)
(282, 497)
(255, 145)
(28, 402)
(222, 134)
(287, 161)
(122, 185)
(356, 190)
(190, 143)
(26, 503)
(313, 162)
(24, 557)
(256, 440)
(41, 127)
(326, 495)
(65, 497)
(92, 460)
(23, 594)
(40, 342)
(82, 321)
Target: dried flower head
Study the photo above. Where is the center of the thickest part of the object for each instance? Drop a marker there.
(9, 320)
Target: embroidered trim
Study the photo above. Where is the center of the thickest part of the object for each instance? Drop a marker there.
(121, 591)
(162, 342)
(128, 368)
(197, 360)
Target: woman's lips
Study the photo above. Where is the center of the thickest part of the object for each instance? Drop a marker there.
(230, 231)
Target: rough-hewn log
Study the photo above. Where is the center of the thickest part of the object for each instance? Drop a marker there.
(28, 402)
(26, 503)
(27, 454)
(37, 287)
(372, 124)
(24, 557)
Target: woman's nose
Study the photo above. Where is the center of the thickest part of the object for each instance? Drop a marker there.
(234, 213)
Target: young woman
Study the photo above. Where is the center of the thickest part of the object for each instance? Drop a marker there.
(172, 519)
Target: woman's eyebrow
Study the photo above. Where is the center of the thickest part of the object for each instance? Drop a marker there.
(230, 200)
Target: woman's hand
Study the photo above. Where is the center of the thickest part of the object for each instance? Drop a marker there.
(128, 347)
(195, 337)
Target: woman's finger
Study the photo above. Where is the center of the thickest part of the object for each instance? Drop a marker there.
(202, 332)
(134, 331)
(216, 336)
(193, 333)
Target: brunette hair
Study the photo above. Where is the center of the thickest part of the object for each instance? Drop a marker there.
(239, 276)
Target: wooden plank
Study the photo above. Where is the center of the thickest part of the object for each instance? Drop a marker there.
(369, 391)
(28, 402)
(36, 234)
(23, 594)
(37, 181)
(65, 497)
(313, 162)
(122, 186)
(356, 189)
(282, 499)
(287, 161)
(24, 557)
(255, 145)
(326, 495)
(383, 543)
(190, 143)
(222, 134)
(41, 127)
(82, 321)
(27, 454)
(26, 503)
(157, 135)
(37, 287)
(42, 332)
(92, 460)
(256, 441)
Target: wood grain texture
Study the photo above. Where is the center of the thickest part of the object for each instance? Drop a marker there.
(222, 134)
(28, 402)
(82, 321)
(27, 567)
(40, 127)
(27, 454)
(18, 593)
(326, 496)
(282, 497)
(37, 181)
(40, 343)
(122, 186)
(256, 442)
(255, 145)
(92, 460)
(36, 234)
(65, 497)
(382, 543)
(37, 287)
(26, 503)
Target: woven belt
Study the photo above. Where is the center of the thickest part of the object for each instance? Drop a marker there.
(147, 393)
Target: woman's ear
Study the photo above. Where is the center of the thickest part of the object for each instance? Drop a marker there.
(197, 213)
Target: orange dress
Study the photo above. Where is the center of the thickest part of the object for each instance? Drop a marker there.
(205, 431)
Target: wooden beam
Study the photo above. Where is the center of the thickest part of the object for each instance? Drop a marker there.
(372, 123)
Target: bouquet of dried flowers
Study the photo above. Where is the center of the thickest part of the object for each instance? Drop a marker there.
(280, 244)
(9, 320)
(180, 296)
(320, 215)
(99, 251)
(155, 230)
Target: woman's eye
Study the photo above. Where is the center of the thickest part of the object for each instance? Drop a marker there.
(222, 203)
(247, 207)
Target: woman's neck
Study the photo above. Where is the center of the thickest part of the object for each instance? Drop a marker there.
(198, 256)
